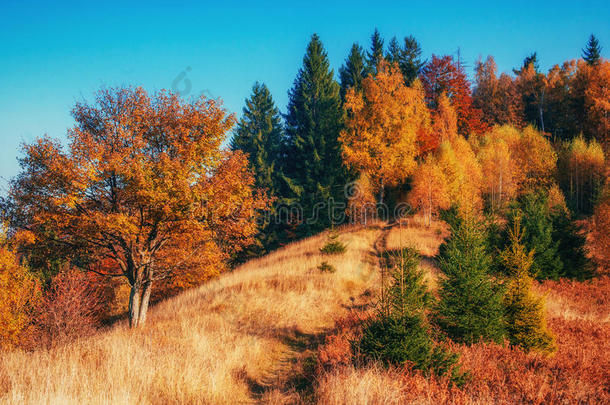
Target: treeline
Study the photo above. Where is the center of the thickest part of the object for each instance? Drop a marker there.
(144, 202)
(397, 128)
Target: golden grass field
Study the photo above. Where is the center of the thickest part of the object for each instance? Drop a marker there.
(246, 337)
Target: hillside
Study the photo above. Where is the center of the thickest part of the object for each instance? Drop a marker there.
(251, 336)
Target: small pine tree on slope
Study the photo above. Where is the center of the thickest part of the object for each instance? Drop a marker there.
(524, 311)
(470, 305)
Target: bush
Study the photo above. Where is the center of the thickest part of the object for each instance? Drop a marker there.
(327, 267)
(71, 308)
(333, 245)
(470, 306)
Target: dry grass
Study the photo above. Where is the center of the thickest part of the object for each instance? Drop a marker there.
(220, 343)
(246, 337)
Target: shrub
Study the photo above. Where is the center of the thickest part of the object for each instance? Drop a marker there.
(333, 245)
(470, 306)
(326, 267)
(405, 341)
(71, 308)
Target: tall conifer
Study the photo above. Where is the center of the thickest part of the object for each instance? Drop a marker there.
(592, 53)
(353, 71)
(313, 122)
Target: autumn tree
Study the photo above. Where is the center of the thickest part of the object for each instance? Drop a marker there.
(361, 203)
(444, 123)
(353, 71)
(524, 311)
(383, 126)
(143, 183)
(501, 180)
(429, 189)
(444, 75)
(581, 173)
(597, 103)
(313, 153)
(463, 176)
(497, 97)
(19, 295)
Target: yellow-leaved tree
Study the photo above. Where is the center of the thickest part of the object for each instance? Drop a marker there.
(19, 293)
(429, 191)
(384, 123)
(462, 174)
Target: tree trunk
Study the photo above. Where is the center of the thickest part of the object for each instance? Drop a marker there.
(139, 299)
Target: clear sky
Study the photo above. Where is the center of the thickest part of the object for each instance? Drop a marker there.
(56, 53)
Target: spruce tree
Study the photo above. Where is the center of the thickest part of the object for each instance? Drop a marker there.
(400, 334)
(470, 302)
(406, 57)
(314, 120)
(538, 236)
(524, 311)
(353, 72)
(375, 54)
(259, 134)
(592, 53)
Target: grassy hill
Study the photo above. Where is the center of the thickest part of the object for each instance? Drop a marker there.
(252, 336)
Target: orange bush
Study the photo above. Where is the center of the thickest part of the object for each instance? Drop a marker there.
(72, 307)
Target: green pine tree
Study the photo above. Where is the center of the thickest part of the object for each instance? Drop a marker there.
(375, 53)
(406, 57)
(259, 134)
(593, 52)
(571, 246)
(538, 236)
(314, 120)
(353, 72)
(470, 302)
(400, 334)
(524, 311)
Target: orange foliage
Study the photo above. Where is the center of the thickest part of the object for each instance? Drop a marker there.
(600, 237)
(429, 189)
(384, 123)
(443, 75)
(462, 174)
(19, 294)
(144, 184)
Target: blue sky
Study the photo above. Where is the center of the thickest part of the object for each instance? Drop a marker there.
(56, 54)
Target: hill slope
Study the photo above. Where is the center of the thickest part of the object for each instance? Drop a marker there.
(228, 341)
(249, 335)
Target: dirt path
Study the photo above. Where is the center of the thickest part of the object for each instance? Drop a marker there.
(291, 378)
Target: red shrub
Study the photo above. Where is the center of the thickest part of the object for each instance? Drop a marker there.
(72, 307)
(337, 348)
